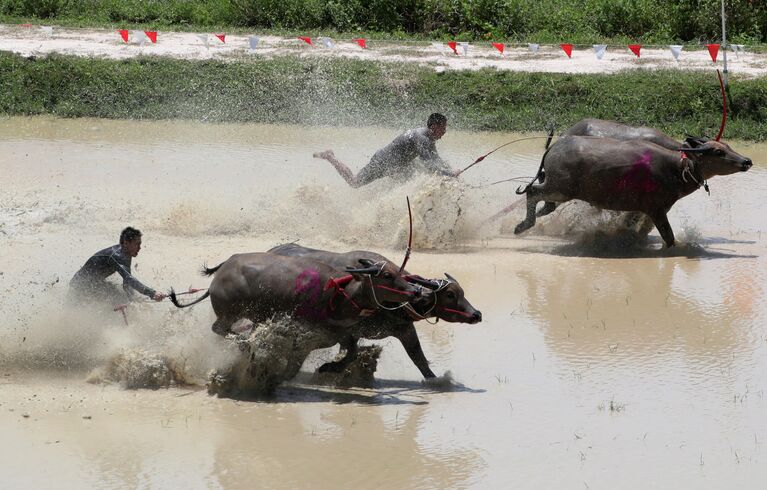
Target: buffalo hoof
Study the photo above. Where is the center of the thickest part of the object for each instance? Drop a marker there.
(523, 226)
(331, 367)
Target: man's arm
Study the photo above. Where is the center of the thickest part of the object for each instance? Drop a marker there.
(427, 151)
(132, 282)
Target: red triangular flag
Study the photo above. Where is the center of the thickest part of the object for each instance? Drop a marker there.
(635, 48)
(152, 35)
(713, 50)
(124, 34)
(499, 47)
(222, 37)
(361, 42)
(452, 45)
(568, 49)
(307, 40)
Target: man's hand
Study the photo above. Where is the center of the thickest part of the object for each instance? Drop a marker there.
(158, 296)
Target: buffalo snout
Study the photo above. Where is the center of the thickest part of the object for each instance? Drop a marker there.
(746, 165)
(476, 317)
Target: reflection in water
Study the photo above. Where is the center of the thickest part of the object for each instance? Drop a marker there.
(594, 366)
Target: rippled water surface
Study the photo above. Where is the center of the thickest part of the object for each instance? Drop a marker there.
(596, 366)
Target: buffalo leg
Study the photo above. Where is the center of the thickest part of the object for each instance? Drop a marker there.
(533, 196)
(547, 208)
(349, 344)
(664, 228)
(223, 325)
(409, 338)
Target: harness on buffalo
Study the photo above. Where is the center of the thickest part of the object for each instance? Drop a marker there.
(442, 284)
(373, 290)
(688, 170)
(340, 283)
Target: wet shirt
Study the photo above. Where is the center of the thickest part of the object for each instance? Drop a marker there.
(103, 264)
(413, 143)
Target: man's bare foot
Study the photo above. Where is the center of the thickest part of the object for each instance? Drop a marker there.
(325, 155)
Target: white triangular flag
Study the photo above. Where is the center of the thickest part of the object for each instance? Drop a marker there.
(439, 47)
(327, 42)
(599, 50)
(737, 48)
(204, 39)
(139, 37)
(533, 47)
(47, 30)
(253, 41)
(676, 50)
(464, 47)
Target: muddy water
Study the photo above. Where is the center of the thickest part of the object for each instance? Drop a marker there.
(597, 366)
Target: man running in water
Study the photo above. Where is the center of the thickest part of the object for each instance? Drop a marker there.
(395, 159)
(89, 283)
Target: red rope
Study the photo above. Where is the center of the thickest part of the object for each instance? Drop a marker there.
(410, 238)
(724, 107)
(338, 284)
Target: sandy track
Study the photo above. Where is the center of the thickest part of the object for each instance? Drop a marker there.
(35, 41)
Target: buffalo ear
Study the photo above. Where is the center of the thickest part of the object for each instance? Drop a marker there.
(450, 277)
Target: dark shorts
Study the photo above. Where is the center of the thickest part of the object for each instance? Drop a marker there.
(374, 170)
(378, 169)
(103, 293)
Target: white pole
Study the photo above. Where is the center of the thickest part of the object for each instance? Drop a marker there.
(724, 45)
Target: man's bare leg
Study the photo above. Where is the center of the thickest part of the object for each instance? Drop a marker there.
(342, 169)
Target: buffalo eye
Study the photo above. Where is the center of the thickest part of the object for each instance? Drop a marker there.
(387, 275)
(450, 295)
(719, 153)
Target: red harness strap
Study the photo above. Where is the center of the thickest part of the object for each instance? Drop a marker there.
(338, 284)
(457, 312)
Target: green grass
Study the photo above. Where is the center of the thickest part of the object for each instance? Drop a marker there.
(353, 92)
(544, 21)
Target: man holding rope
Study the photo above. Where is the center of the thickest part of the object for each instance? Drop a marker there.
(89, 283)
(395, 159)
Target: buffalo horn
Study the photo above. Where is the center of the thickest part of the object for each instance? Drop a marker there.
(700, 149)
(366, 270)
(423, 282)
(450, 277)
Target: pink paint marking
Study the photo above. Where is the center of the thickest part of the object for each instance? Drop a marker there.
(308, 290)
(639, 178)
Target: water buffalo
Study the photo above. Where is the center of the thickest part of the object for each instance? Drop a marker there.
(602, 128)
(634, 175)
(443, 299)
(256, 286)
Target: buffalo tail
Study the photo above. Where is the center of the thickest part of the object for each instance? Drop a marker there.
(174, 299)
(209, 272)
(521, 190)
